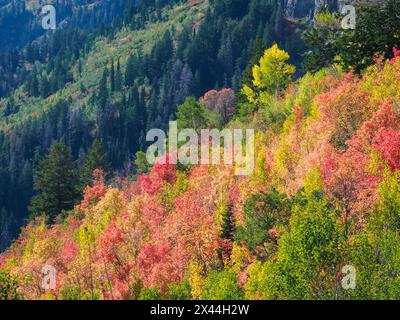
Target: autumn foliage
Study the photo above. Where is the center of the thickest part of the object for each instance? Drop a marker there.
(322, 188)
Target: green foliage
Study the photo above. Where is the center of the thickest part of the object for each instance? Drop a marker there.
(262, 212)
(222, 286)
(94, 159)
(270, 77)
(376, 32)
(141, 162)
(8, 286)
(150, 294)
(57, 183)
(180, 291)
(375, 253)
(322, 40)
(309, 253)
(76, 293)
(263, 280)
(191, 115)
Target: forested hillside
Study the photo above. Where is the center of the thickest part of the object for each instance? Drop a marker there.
(113, 83)
(324, 192)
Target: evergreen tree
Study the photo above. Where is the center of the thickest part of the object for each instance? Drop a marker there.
(130, 72)
(112, 76)
(228, 224)
(103, 90)
(94, 159)
(118, 78)
(56, 182)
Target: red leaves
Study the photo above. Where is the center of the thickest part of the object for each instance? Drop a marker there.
(159, 174)
(154, 265)
(387, 142)
(93, 194)
(109, 242)
(69, 251)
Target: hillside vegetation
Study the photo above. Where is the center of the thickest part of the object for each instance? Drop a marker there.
(324, 194)
(112, 82)
(319, 209)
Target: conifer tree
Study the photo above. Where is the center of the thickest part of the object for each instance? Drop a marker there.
(103, 90)
(94, 159)
(118, 77)
(56, 182)
(112, 76)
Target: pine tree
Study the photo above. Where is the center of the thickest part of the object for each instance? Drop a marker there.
(94, 159)
(130, 72)
(103, 90)
(44, 87)
(112, 76)
(118, 78)
(228, 224)
(56, 182)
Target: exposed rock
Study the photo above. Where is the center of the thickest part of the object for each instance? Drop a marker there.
(308, 8)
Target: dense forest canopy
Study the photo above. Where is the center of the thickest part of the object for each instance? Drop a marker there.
(76, 104)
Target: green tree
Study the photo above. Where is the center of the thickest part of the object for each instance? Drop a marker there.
(375, 252)
(118, 77)
(377, 31)
(8, 286)
(322, 40)
(112, 76)
(103, 90)
(262, 212)
(56, 182)
(270, 76)
(309, 253)
(222, 286)
(141, 162)
(95, 159)
(191, 114)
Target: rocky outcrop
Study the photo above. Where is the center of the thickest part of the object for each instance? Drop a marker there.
(308, 8)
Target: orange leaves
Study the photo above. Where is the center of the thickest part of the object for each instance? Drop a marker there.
(93, 194)
(387, 142)
(69, 251)
(109, 242)
(159, 175)
(343, 110)
(152, 232)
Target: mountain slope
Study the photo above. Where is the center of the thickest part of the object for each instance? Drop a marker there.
(324, 194)
(63, 87)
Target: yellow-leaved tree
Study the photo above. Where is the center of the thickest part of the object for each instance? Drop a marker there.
(270, 77)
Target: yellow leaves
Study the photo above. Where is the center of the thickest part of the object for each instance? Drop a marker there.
(98, 217)
(260, 172)
(383, 84)
(261, 281)
(222, 208)
(270, 76)
(272, 70)
(196, 279)
(240, 258)
(39, 244)
(325, 19)
(170, 192)
(249, 93)
(284, 165)
(313, 181)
